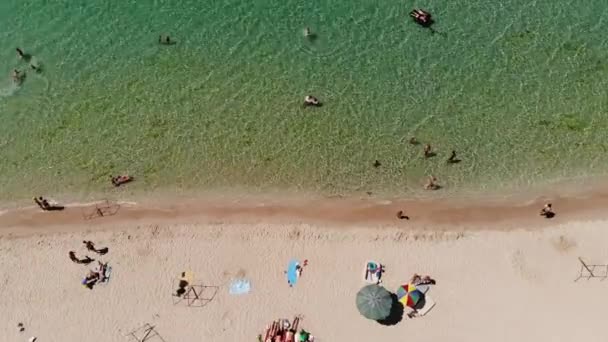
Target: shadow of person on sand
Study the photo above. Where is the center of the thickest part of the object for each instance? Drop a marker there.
(396, 314)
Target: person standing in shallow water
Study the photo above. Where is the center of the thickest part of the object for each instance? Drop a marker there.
(20, 53)
(165, 40)
(428, 151)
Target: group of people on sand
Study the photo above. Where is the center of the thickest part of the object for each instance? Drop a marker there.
(99, 273)
(283, 331)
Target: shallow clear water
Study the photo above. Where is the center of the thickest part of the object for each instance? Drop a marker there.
(516, 87)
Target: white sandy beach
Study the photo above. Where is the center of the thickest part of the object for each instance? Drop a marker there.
(491, 286)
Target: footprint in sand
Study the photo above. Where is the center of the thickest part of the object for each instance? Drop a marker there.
(563, 244)
(520, 265)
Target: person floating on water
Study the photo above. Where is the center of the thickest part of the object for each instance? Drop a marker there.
(421, 17)
(310, 100)
(17, 76)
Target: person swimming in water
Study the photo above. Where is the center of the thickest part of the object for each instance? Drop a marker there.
(310, 100)
(421, 17)
(309, 35)
(165, 40)
(23, 55)
(36, 67)
(17, 76)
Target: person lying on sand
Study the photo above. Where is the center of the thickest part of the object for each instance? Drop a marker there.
(271, 332)
(42, 203)
(85, 261)
(91, 279)
(120, 180)
(431, 183)
(418, 280)
(401, 215)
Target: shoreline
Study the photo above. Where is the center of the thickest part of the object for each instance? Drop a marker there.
(506, 211)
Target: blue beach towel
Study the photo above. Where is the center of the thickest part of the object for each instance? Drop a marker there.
(292, 272)
(240, 286)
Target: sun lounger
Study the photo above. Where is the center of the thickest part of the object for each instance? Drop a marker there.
(429, 303)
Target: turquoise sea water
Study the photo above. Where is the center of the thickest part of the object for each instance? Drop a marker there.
(516, 87)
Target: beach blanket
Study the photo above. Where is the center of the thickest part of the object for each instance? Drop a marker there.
(239, 286)
(292, 272)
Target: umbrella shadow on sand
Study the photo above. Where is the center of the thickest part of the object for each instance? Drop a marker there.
(396, 314)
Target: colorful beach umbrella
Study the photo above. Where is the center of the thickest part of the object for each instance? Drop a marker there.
(374, 302)
(409, 295)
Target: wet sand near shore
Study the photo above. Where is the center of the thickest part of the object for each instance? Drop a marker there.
(493, 213)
